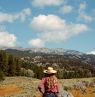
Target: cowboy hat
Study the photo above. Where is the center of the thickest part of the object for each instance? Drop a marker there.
(50, 70)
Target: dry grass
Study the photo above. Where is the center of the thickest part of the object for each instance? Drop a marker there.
(89, 93)
(9, 89)
(27, 87)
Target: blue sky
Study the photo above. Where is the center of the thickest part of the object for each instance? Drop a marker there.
(67, 24)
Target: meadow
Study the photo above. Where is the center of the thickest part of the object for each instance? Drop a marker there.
(27, 87)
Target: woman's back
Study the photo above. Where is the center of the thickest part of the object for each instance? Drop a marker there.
(49, 84)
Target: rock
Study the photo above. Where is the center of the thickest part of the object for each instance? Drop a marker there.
(65, 94)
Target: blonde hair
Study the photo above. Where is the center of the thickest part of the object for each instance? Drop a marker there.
(51, 82)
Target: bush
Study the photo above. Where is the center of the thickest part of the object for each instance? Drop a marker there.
(1, 75)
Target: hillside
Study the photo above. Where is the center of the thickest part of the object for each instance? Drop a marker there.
(69, 54)
(70, 63)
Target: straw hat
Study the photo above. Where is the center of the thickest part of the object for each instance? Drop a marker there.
(50, 70)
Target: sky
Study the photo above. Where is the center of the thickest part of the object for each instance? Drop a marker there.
(67, 24)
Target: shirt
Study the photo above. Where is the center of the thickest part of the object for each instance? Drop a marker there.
(43, 89)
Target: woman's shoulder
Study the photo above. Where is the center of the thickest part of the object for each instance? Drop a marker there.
(44, 79)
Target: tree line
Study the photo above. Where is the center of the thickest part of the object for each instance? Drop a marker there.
(67, 68)
(9, 65)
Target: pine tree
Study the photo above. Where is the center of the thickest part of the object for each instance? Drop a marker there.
(11, 66)
(18, 67)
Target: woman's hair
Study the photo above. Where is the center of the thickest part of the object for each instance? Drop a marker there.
(51, 82)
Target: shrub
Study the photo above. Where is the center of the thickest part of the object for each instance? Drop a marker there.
(1, 75)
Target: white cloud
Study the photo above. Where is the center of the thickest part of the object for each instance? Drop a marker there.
(82, 6)
(6, 17)
(49, 22)
(92, 52)
(52, 28)
(82, 15)
(2, 28)
(24, 13)
(66, 9)
(36, 43)
(42, 3)
(7, 39)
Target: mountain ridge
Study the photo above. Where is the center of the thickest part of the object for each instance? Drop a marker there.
(68, 54)
(45, 50)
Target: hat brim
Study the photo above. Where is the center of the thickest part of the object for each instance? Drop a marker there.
(49, 72)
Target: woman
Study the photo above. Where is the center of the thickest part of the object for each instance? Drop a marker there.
(49, 84)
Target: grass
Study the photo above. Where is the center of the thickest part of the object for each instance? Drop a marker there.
(27, 87)
(89, 93)
(9, 89)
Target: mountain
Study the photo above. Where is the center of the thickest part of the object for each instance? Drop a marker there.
(92, 52)
(71, 63)
(68, 54)
(57, 51)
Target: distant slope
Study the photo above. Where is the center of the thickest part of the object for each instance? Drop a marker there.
(73, 63)
(68, 54)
